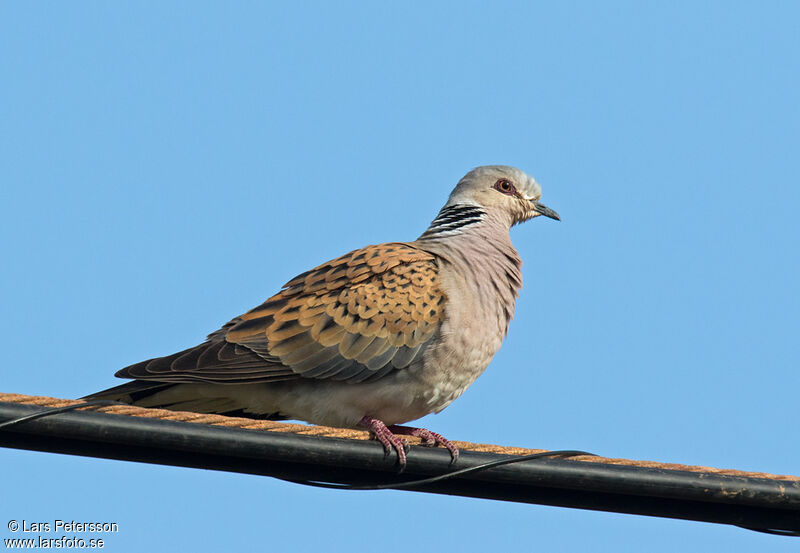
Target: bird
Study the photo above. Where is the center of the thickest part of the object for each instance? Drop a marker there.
(373, 339)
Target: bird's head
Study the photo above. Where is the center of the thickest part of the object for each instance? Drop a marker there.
(504, 190)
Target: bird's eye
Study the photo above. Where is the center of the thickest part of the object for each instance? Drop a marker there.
(505, 186)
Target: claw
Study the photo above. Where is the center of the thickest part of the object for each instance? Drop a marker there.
(386, 436)
(429, 439)
(381, 432)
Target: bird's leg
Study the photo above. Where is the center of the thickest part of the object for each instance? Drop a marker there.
(429, 439)
(382, 433)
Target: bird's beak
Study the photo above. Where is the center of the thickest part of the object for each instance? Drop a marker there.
(544, 210)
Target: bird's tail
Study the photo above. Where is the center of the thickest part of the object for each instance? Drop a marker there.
(176, 396)
(131, 392)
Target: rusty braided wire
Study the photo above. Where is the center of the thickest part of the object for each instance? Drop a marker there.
(325, 431)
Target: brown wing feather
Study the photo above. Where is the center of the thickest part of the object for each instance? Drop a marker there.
(212, 361)
(354, 318)
(351, 317)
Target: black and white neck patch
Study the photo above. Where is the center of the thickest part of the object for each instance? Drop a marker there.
(452, 219)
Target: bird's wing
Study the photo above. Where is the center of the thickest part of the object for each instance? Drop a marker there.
(355, 318)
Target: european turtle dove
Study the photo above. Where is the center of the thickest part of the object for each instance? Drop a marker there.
(377, 337)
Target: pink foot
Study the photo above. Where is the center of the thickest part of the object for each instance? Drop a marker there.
(382, 433)
(429, 439)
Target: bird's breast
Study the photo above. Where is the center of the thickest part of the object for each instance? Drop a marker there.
(471, 334)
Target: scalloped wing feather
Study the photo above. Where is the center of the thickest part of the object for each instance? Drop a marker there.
(357, 317)
(352, 318)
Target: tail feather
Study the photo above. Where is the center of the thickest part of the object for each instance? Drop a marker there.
(179, 397)
(131, 392)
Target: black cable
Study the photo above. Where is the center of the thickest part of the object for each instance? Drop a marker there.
(774, 531)
(445, 476)
(384, 486)
(55, 410)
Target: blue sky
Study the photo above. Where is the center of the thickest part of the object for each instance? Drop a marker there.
(167, 167)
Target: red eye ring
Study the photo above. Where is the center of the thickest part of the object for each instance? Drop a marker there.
(505, 186)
